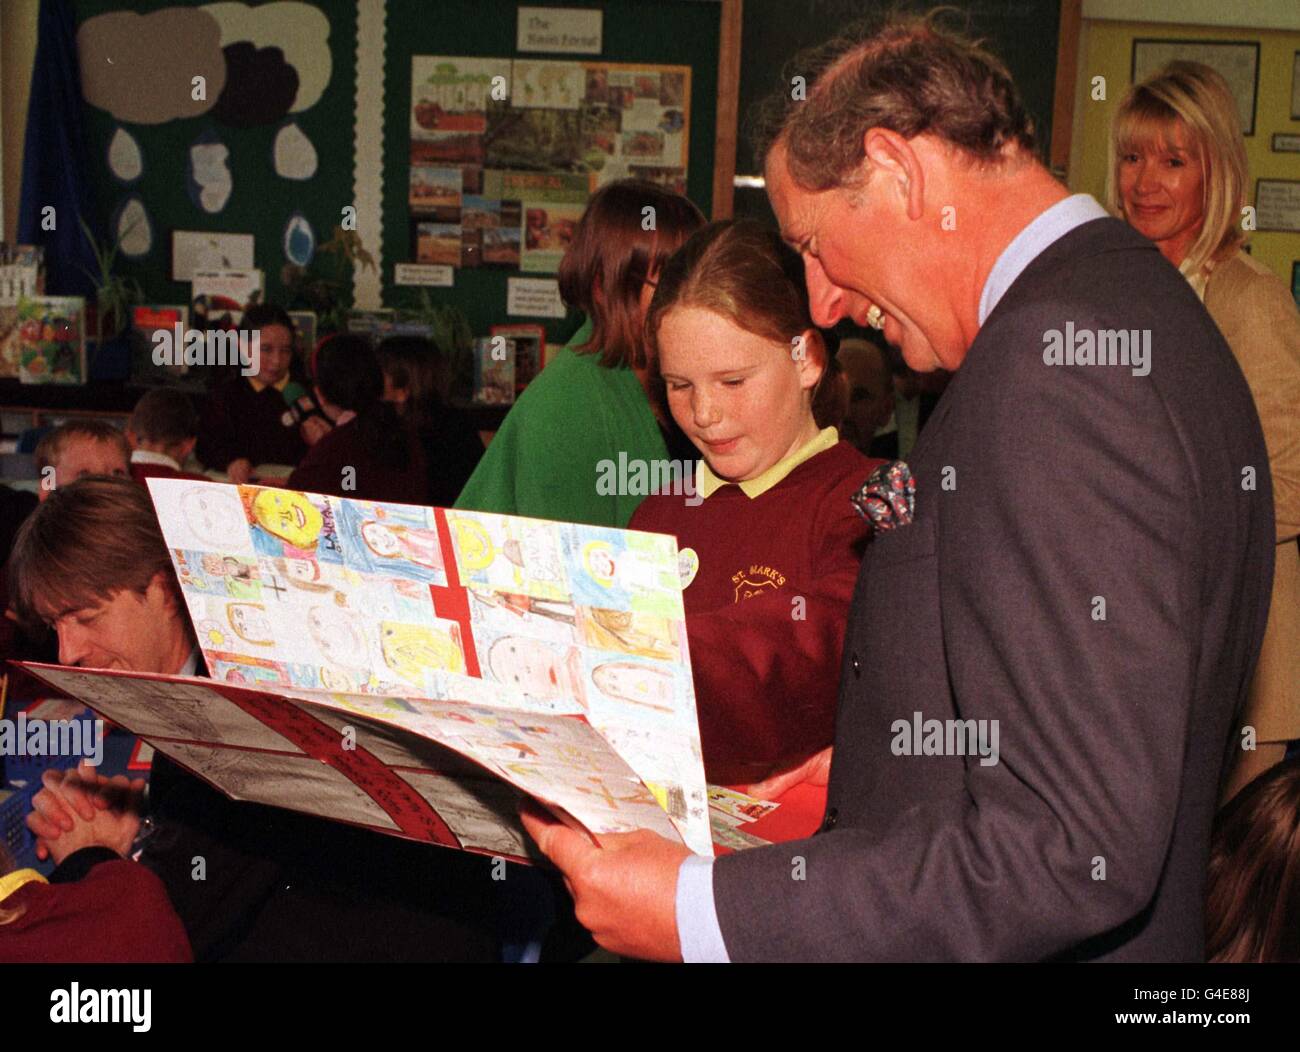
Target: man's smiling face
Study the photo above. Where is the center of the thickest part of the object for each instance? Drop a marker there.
(859, 250)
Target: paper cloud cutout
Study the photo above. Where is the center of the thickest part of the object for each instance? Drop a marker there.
(260, 86)
(140, 68)
(133, 229)
(293, 153)
(124, 158)
(208, 179)
(299, 240)
(301, 32)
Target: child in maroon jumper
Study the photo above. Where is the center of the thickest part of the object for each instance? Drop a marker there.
(96, 907)
(247, 421)
(770, 543)
(162, 433)
(369, 454)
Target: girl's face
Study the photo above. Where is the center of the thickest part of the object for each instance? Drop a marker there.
(1162, 191)
(275, 344)
(743, 399)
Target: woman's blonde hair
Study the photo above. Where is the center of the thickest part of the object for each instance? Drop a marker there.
(1200, 98)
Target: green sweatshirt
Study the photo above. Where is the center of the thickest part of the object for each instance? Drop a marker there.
(544, 462)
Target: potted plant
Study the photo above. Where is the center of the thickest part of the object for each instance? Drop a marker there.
(451, 334)
(115, 295)
(327, 294)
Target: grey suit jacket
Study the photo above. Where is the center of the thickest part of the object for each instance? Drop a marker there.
(1042, 489)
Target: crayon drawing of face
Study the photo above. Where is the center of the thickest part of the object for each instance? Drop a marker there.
(338, 635)
(638, 684)
(302, 573)
(532, 666)
(598, 558)
(472, 544)
(289, 516)
(250, 624)
(214, 516)
(380, 539)
(411, 649)
(214, 565)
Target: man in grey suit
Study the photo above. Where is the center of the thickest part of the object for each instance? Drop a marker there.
(1041, 668)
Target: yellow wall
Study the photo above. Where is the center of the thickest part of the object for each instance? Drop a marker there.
(1107, 49)
(17, 53)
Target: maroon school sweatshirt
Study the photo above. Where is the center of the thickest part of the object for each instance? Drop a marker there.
(239, 421)
(767, 666)
(118, 912)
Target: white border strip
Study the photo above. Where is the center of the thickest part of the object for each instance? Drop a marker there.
(368, 151)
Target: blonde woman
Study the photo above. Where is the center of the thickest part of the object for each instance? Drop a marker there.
(1179, 176)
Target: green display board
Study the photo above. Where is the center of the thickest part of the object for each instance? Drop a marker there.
(653, 32)
(1023, 33)
(260, 202)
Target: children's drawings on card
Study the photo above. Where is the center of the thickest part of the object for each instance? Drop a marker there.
(553, 655)
(507, 554)
(616, 569)
(391, 540)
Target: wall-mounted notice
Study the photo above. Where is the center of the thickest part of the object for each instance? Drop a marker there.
(1277, 204)
(430, 274)
(534, 298)
(560, 30)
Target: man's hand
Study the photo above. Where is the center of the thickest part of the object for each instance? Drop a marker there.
(240, 471)
(816, 770)
(82, 808)
(624, 891)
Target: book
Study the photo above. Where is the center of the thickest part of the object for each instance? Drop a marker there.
(530, 350)
(416, 670)
(304, 334)
(20, 276)
(494, 370)
(52, 340)
(146, 368)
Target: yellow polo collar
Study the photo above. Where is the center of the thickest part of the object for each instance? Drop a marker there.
(279, 385)
(707, 483)
(11, 882)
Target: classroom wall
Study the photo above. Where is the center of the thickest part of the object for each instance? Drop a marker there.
(1106, 49)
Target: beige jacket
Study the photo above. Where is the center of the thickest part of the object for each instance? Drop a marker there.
(1257, 316)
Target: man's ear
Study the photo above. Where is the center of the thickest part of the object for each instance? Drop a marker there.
(811, 364)
(132, 439)
(891, 156)
(162, 587)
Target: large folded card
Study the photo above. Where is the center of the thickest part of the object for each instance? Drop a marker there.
(414, 669)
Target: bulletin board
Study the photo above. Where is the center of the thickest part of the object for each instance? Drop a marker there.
(279, 111)
(636, 33)
(505, 153)
(172, 168)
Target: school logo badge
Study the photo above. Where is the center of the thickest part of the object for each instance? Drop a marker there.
(756, 580)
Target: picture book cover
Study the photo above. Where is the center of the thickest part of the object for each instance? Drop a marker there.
(149, 365)
(20, 277)
(52, 340)
(494, 370)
